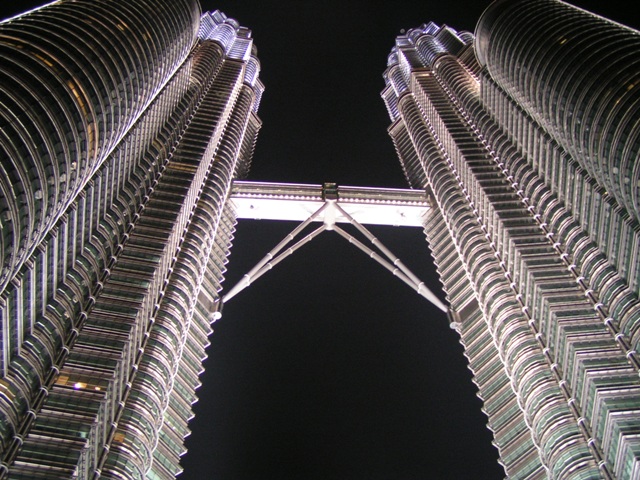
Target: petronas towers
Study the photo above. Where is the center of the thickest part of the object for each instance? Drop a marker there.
(123, 125)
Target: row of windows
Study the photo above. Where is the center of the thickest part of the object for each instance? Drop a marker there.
(488, 369)
(547, 314)
(450, 141)
(495, 399)
(575, 72)
(89, 234)
(74, 232)
(60, 71)
(596, 270)
(175, 320)
(607, 224)
(595, 276)
(176, 306)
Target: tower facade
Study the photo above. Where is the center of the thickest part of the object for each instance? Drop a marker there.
(123, 124)
(526, 138)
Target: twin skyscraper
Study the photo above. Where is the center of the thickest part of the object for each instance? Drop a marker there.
(123, 125)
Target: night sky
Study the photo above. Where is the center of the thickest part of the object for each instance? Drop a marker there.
(328, 367)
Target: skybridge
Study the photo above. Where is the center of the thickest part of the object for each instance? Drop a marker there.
(331, 205)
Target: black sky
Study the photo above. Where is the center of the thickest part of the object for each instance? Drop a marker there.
(328, 367)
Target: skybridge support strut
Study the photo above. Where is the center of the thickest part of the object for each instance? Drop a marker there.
(266, 264)
(396, 267)
(329, 213)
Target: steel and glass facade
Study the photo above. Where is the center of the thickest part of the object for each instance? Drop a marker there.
(122, 126)
(526, 138)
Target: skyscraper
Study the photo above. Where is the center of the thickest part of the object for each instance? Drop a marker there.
(122, 126)
(528, 147)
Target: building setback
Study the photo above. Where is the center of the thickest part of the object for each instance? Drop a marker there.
(528, 147)
(122, 125)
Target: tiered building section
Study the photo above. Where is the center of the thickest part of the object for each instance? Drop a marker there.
(528, 146)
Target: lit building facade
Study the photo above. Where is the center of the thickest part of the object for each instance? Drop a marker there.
(528, 147)
(122, 126)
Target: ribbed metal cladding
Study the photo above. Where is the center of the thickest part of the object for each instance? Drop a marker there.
(541, 291)
(179, 316)
(75, 77)
(104, 325)
(523, 361)
(578, 75)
